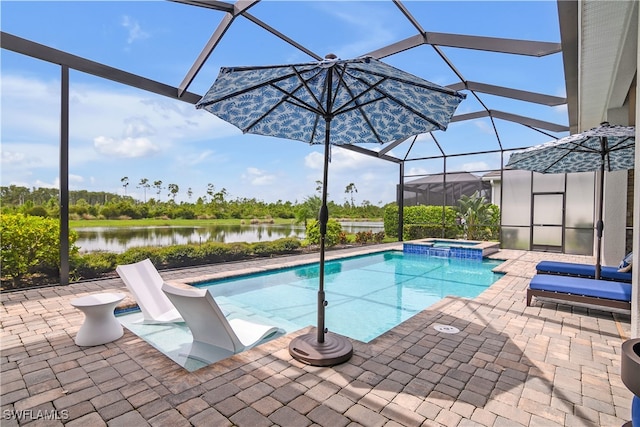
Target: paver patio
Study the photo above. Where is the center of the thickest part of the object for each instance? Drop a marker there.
(544, 365)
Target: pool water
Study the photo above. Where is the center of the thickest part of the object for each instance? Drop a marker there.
(367, 295)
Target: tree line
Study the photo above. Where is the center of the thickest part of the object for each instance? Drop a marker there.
(216, 204)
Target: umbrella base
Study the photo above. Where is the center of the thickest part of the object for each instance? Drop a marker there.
(334, 350)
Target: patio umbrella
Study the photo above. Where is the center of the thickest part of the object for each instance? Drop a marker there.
(605, 147)
(330, 102)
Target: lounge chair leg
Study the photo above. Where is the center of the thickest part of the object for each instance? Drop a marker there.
(529, 298)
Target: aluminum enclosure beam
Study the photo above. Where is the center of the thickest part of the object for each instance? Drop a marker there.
(490, 44)
(215, 38)
(527, 121)
(48, 54)
(505, 92)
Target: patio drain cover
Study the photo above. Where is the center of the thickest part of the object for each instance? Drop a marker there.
(447, 329)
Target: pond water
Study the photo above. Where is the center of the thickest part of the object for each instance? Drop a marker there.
(119, 239)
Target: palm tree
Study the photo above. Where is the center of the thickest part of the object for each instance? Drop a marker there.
(158, 186)
(308, 209)
(125, 183)
(144, 184)
(350, 189)
(476, 212)
(173, 190)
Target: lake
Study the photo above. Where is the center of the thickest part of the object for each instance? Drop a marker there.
(119, 239)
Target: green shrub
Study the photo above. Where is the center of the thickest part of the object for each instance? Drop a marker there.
(391, 220)
(333, 232)
(38, 211)
(421, 222)
(139, 254)
(364, 236)
(212, 252)
(178, 255)
(284, 245)
(239, 250)
(94, 264)
(29, 241)
(261, 248)
(279, 246)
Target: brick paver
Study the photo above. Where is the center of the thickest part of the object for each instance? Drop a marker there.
(543, 365)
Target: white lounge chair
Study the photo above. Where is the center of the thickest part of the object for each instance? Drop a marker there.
(210, 328)
(145, 283)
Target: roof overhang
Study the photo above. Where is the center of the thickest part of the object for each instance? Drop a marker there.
(599, 45)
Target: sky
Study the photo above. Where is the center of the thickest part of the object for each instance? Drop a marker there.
(118, 131)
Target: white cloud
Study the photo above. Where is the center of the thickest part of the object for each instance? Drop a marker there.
(374, 178)
(475, 166)
(197, 158)
(127, 147)
(76, 179)
(484, 127)
(9, 157)
(25, 156)
(135, 31)
(341, 160)
(42, 184)
(258, 177)
(372, 30)
(417, 171)
(314, 160)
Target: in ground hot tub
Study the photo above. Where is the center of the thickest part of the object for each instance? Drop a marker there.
(452, 248)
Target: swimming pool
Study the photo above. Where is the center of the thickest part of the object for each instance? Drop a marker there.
(367, 295)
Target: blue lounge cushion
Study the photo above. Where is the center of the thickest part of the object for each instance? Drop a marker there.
(582, 286)
(582, 270)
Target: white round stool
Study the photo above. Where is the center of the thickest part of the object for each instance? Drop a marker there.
(100, 325)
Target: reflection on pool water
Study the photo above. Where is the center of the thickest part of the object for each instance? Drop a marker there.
(367, 295)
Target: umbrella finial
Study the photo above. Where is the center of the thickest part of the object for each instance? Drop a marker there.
(330, 56)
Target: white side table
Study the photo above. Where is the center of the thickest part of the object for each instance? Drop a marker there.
(100, 325)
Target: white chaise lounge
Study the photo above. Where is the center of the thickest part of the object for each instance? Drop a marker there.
(145, 283)
(211, 330)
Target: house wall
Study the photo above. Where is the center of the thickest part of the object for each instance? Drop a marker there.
(615, 218)
(578, 236)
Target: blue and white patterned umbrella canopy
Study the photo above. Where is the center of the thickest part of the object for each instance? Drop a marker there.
(581, 152)
(365, 100)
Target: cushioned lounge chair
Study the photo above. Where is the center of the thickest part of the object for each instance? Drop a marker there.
(581, 291)
(582, 270)
(210, 328)
(145, 283)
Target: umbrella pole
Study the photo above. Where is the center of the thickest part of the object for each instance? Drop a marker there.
(323, 218)
(322, 349)
(600, 223)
